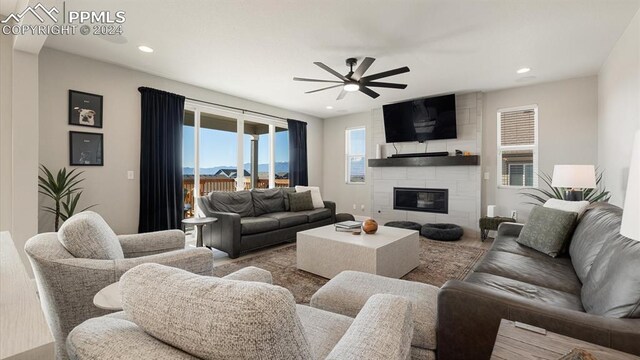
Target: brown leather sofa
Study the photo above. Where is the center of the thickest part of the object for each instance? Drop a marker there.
(521, 284)
(251, 220)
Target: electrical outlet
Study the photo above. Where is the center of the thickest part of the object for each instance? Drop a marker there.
(362, 207)
(130, 175)
(354, 206)
(486, 175)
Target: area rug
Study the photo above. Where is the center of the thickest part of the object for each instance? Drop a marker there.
(439, 262)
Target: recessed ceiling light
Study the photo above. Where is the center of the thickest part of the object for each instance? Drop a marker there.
(329, 107)
(523, 70)
(351, 87)
(144, 48)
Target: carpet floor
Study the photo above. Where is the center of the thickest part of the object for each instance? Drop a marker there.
(439, 262)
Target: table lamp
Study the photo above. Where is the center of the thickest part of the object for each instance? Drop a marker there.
(631, 211)
(574, 178)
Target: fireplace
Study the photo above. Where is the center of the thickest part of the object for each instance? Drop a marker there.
(419, 199)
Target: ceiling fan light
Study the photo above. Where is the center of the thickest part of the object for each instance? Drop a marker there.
(351, 87)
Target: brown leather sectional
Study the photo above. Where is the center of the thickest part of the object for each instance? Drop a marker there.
(521, 284)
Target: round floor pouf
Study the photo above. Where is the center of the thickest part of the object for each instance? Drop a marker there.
(344, 217)
(442, 232)
(404, 225)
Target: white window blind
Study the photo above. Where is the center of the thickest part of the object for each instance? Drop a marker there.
(518, 146)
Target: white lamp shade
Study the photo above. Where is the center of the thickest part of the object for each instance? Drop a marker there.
(631, 211)
(574, 176)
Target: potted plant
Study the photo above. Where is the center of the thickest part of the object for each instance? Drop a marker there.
(64, 190)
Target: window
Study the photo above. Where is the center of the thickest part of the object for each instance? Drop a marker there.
(227, 150)
(518, 146)
(355, 155)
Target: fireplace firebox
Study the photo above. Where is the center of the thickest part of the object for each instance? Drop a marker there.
(420, 199)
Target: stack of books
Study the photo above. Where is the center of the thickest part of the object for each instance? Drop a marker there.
(348, 226)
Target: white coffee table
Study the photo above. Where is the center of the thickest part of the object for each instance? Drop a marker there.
(390, 252)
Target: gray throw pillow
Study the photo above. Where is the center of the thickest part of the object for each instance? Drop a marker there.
(547, 230)
(300, 201)
(286, 192)
(612, 287)
(86, 235)
(267, 201)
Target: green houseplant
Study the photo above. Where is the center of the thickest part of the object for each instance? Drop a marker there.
(539, 196)
(64, 190)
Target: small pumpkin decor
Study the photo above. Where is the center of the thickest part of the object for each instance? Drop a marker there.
(370, 226)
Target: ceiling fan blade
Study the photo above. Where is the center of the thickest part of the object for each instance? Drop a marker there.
(342, 94)
(386, 85)
(369, 92)
(331, 71)
(397, 71)
(327, 88)
(364, 66)
(316, 80)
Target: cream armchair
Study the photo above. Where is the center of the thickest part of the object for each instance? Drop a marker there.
(172, 314)
(71, 266)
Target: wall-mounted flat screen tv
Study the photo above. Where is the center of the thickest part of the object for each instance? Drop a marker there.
(420, 120)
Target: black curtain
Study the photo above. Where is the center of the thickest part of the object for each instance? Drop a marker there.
(161, 198)
(298, 153)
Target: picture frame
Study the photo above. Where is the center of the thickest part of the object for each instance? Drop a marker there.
(85, 109)
(86, 149)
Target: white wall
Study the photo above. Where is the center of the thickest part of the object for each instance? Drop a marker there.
(118, 198)
(24, 134)
(567, 128)
(18, 143)
(6, 69)
(335, 187)
(619, 109)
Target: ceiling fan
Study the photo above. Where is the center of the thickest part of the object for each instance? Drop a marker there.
(354, 81)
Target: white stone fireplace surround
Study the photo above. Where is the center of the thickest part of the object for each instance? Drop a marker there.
(463, 182)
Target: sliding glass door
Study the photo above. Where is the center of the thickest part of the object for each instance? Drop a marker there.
(226, 150)
(281, 156)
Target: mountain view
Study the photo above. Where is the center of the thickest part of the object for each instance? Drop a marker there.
(281, 167)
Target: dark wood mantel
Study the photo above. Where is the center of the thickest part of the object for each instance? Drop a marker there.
(427, 161)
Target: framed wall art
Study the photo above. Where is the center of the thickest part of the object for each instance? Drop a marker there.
(85, 109)
(86, 149)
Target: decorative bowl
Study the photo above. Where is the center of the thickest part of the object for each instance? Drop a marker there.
(370, 226)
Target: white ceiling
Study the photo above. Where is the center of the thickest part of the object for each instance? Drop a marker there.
(253, 48)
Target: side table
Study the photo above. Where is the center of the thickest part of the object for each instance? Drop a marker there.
(199, 223)
(491, 223)
(109, 298)
(521, 341)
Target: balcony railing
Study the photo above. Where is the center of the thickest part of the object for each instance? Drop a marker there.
(210, 184)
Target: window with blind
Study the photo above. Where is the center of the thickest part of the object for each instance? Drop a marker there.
(355, 155)
(518, 146)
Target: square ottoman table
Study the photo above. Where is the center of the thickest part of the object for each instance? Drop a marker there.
(347, 293)
(389, 252)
